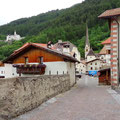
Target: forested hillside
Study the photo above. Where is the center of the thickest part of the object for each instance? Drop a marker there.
(67, 24)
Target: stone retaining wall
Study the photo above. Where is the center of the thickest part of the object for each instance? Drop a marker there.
(18, 95)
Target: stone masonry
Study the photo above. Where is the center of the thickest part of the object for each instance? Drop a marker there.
(18, 95)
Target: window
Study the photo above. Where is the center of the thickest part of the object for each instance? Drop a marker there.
(108, 51)
(91, 63)
(41, 60)
(26, 60)
(95, 63)
(91, 68)
(95, 68)
(1, 72)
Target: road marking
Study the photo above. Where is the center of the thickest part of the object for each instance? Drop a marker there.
(115, 95)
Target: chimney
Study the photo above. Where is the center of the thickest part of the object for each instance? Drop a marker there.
(50, 44)
(59, 41)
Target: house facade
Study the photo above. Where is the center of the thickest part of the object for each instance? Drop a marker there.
(105, 53)
(37, 59)
(95, 64)
(113, 17)
(82, 66)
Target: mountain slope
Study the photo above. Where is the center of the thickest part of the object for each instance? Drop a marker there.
(67, 24)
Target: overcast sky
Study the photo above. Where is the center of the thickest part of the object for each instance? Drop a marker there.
(14, 9)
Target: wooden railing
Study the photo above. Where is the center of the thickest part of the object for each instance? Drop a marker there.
(30, 68)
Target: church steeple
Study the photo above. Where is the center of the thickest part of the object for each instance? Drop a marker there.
(87, 44)
(87, 37)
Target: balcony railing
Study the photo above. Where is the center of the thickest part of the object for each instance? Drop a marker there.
(30, 68)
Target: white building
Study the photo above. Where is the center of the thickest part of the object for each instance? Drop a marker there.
(13, 37)
(82, 67)
(95, 64)
(90, 56)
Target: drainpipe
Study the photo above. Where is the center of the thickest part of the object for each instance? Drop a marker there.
(118, 58)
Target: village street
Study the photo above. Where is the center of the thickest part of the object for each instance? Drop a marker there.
(85, 101)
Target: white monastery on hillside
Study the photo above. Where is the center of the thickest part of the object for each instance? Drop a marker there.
(13, 37)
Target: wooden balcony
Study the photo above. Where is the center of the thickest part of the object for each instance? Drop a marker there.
(30, 69)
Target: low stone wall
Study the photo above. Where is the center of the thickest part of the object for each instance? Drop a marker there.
(18, 95)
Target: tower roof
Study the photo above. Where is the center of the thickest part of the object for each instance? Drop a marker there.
(87, 37)
(91, 53)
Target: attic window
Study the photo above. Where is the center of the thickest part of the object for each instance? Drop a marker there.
(26, 60)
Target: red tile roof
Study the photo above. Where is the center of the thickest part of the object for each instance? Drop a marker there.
(110, 13)
(26, 44)
(43, 47)
(108, 41)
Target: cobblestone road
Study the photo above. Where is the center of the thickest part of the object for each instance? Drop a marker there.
(85, 101)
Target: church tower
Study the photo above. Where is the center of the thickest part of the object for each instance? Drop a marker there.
(15, 33)
(87, 44)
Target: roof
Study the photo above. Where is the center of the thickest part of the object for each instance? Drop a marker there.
(59, 45)
(108, 41)
(26, 44)
(93, 60)
(97, 55)
(110, 13)
(103, 51)
(83, 62)
(91, 53)
(40, 46)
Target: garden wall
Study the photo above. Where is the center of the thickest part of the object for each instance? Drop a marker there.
(18, 95)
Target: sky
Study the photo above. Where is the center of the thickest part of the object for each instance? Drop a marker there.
(14, 9)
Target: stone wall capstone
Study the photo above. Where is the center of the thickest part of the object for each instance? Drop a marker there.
(18, 95)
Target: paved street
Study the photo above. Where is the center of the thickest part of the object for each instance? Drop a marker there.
(85, 101)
